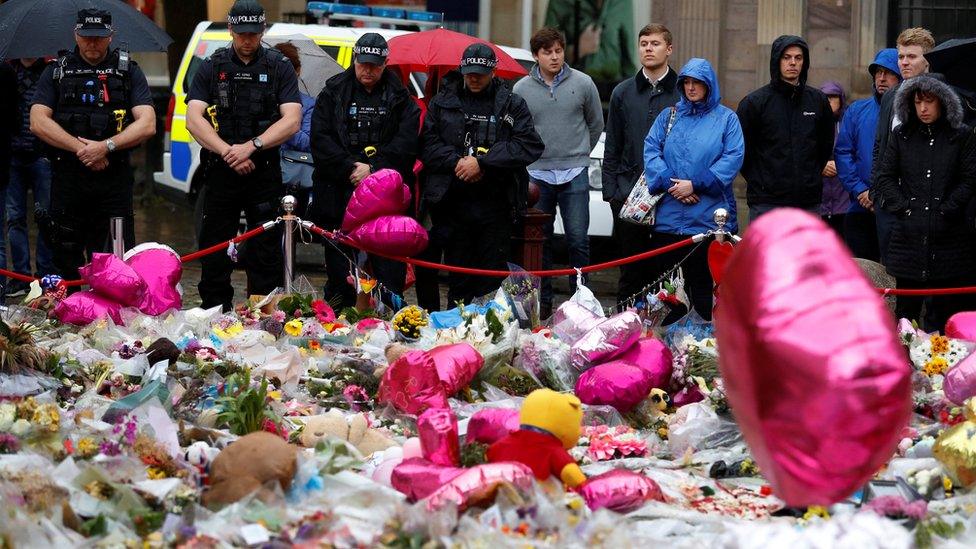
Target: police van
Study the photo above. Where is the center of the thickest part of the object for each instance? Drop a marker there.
(181, 153)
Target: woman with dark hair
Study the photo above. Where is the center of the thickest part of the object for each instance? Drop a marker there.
(296, 153)
(926, 178)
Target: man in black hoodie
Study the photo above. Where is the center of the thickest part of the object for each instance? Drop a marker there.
(364, 121)
(478, 140)
(789, 132)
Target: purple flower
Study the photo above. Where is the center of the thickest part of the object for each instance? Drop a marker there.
(9, 444)
(109, 448)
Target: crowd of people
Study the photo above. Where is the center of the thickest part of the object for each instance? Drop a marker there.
(893, 173)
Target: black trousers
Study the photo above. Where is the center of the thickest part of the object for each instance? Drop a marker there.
(938, 308)
(698, 279)
(427, 284)
(258, 194)
(477, 234)
(861, 235)
(83, 202)
(631, 239)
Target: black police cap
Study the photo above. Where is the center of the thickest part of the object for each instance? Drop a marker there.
(246, 16)
(93, 22)
(478, 59)
(371, 48)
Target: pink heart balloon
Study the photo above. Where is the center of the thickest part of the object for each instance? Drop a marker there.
(962, 326)
(960, 381)
(811, 363)
(654, 357)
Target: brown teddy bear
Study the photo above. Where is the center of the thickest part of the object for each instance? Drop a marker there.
(355, 430)
(246, 464)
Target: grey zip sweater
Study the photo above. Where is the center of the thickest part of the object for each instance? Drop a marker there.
(569, 118)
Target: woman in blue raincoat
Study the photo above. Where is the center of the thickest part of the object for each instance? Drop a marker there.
(692, 154)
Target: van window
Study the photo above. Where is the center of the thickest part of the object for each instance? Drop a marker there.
(333, 51)
(204, 49)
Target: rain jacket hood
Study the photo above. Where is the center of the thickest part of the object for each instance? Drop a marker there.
(887, 59)
(699, 69)
(905, 101)
(779, 46)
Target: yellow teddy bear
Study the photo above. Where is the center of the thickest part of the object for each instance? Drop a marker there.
(550, 425)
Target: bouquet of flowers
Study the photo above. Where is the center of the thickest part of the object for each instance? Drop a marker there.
(603, 443)
(522, 292)
(696, 365)
(547, 360)
(935, 354)
(408, 321)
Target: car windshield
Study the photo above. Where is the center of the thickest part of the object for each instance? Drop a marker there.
(206, 48)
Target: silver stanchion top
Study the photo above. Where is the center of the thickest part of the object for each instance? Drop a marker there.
(721, 217)
(288, 203)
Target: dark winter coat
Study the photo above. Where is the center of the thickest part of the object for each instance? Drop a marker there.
(516, 144)
(836, 200)
(623, 152)
(926, 177)
(789, 132)
(334, 159)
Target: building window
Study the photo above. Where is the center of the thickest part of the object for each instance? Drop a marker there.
(945, 18)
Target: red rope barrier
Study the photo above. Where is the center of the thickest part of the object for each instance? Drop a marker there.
(223, 245)
(184, 259)
(497, 273)
(928, 291)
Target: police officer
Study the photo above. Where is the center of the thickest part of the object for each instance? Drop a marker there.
(243, 103)
(90, 106)
(364, 120)
(478, 140)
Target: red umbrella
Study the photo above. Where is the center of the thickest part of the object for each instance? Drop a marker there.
(440, 50)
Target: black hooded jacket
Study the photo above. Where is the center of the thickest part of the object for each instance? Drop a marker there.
(516, 144)
(926, 177)
(789, 134)
(334, 157)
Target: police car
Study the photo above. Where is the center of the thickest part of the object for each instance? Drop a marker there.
(181, 154)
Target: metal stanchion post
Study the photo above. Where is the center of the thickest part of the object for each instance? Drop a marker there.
(288, 205)
(118, 236)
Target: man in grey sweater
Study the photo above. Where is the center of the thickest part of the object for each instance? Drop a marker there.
(566, 110)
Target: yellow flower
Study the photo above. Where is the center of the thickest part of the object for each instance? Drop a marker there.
(294, 327)
(230, 331)
(816, 511)
(940, 344)
(87, 447)
(47, 417)
(935, 366)
(274, 395)
(155, 473)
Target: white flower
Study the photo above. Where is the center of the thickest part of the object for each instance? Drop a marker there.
(20, 427)
(7, 414)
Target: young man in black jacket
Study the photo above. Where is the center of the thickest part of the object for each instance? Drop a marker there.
(789, 132)
(478, 140)
(648, 93)
(364, 120)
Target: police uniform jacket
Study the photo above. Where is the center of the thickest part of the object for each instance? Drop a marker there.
(516, 143)
(333, 152)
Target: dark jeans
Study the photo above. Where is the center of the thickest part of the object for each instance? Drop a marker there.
(480, 238)
(573, 200)
(885, 222)
(861, 235)
(698, 279)
(938, 308)
(631, 239)
(835, 222)
(83, 203)
(28, 174)
(428, 284)
(258, 194)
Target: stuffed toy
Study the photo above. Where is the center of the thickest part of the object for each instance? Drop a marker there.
(246, 464)
(550, 424)
(354, 429)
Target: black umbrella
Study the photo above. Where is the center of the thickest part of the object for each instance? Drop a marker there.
(954, 60)
(36, 28)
